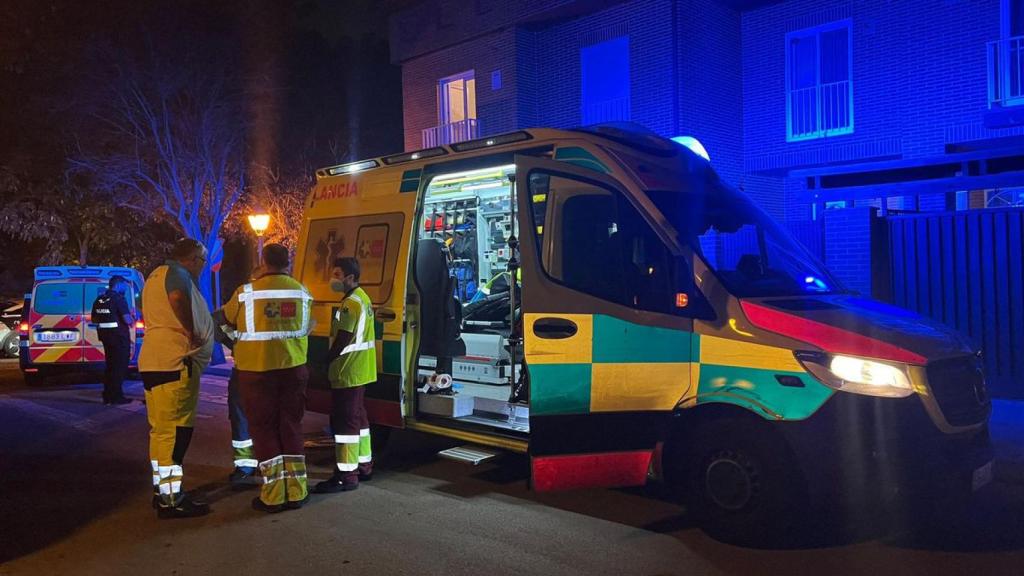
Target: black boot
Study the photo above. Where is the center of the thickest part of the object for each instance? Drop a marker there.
(184, 506)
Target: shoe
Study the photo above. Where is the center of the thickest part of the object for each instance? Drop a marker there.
(365, 477)
(333, 485)
(241, 478)
(296, 504)
(186, 508)
(260, 506)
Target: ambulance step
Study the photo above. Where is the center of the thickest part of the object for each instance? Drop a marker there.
(470, 454)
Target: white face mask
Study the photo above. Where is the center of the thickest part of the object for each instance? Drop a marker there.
(338, 285)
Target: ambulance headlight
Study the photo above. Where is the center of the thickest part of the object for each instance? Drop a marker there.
(858, 375)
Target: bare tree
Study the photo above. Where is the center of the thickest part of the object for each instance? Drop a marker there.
(172, 141)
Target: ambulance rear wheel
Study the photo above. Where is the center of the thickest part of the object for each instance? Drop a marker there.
(742, 485)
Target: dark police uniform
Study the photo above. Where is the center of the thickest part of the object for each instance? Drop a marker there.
(108, 312)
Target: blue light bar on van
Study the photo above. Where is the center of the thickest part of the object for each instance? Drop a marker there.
(491, 141)
(417, 155)
(352, 167)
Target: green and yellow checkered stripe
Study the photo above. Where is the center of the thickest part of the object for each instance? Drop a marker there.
(610, 365)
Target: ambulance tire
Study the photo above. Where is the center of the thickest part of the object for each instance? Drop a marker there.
(742, 484)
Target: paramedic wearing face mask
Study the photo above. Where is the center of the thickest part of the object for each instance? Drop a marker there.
(353, 366)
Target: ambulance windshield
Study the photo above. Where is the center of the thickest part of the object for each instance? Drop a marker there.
(749, 252)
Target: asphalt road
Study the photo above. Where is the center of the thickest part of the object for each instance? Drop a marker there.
(74, 499)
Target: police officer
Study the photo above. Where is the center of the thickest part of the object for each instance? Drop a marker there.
(272, 319)
(354, 365)
(113, 320)
(177, 348)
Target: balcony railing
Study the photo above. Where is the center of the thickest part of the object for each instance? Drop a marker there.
(612, 110)
(451, 133)
(820, 110)
(1006, 72)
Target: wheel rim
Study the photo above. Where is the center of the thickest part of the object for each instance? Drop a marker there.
(731, 481)
(11, 349)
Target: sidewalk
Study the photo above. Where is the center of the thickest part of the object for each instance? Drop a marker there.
(1006, 426)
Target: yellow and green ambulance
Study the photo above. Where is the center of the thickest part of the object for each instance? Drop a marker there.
(660, 324)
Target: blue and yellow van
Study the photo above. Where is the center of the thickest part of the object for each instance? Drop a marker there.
(661, 324)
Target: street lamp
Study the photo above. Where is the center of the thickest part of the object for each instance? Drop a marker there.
(259, 223)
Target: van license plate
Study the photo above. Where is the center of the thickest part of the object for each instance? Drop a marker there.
(982, 476)
(49, 337)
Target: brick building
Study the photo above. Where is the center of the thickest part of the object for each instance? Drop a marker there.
(829, 113)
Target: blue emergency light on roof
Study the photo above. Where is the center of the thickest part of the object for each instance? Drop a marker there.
(491, 141)
(417, 155)
(694, 145)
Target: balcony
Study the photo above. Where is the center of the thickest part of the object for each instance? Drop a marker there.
(820, 110)
(1006, 72)
(612, 110)
(451, 133)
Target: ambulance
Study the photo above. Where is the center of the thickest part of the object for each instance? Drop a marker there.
(661, 325)
(56, 332)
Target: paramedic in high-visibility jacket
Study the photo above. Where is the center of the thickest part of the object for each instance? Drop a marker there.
(177, 348)
(271, 320)
(353, 365)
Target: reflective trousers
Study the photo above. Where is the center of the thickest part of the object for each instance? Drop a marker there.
(274, 403)
(352, 450)
(171, 399)
(241, 443)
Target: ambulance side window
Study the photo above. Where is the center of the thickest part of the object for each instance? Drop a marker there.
(593, 240)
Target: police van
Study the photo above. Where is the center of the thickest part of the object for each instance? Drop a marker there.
(56, 332)
(660, 324)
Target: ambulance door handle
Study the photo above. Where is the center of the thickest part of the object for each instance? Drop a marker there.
(386, 315)
(554, 328)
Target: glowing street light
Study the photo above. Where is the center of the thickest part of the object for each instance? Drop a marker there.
(259, 223)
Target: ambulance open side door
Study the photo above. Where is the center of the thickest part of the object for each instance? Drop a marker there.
(606, 346)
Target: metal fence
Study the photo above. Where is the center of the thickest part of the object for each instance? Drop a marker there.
(820, 110)
(966, 269)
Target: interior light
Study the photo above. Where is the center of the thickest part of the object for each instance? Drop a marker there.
(456, 177)
(487, 186)
(693, 145)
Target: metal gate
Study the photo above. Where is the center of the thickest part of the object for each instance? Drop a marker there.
(966, 269)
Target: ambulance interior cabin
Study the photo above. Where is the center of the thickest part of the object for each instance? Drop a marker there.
(461, 270)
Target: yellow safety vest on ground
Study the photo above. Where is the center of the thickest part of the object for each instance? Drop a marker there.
(272, 320)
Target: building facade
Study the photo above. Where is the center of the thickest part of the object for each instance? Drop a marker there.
(836, 116)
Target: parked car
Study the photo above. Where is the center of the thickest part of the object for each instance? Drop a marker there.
(8, 342)
(10, 313)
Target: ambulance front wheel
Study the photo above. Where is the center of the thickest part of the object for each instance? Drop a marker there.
(742, 484)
